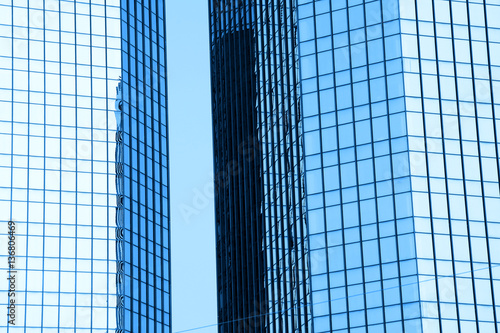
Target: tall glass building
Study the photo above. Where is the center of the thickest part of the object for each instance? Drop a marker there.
(258, 163)
(396, 121)
(83, 166)
(401, 116)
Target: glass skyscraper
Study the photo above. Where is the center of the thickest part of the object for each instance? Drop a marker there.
(400, 102)
(83, 166)
(396, 120)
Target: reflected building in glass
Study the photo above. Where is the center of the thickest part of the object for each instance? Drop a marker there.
(258, 163)
(400, 104)
(83, 166)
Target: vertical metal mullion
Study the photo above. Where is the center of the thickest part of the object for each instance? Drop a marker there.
(76, 153)
(237, 225)
(291, 202)
(91, 156)
(275, 125)
(137, 295)
(361, 243)
(273, 113)
(243, 184)
(495, 132)
(266, 297)
(143, 265)
(11, 160)
(287, 157)
(235, 253)
(266, 68)
(375, 176)
(241, 192)
(44, 238)
(252, 168)
(163, 119)
(445, 168)
(300, 175)
(257, 165)
(474, 89)
(226, 218)
(280, 102)
(264, 148)
(427, 168)
(235, 271)
(226, 208)
(167, 151)
(257, 170)
(141, 41)
(247, 228)
(320, 131)
(277, 178)
(268, 103)
(153, 176)
(152, 145)
(230, 218)
(258, 147)
(147, 143)
(61, 168)
(463, 165)
(157, 206)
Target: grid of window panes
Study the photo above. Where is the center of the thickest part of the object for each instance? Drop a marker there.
(401, 163)
(280, 128)
(60, 63)
(145, 288)
(256, 127)
(451, 52)
(59, 69)
(363, 262)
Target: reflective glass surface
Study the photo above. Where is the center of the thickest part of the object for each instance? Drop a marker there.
(258, 162)
(146, 234)
(83, 165)
(401, 112)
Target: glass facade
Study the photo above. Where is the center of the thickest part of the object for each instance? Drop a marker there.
(258, 163)
(400, 102)
(83, 166)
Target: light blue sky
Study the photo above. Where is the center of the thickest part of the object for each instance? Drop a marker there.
(191, 167)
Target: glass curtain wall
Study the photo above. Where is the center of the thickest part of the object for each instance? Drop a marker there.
(401, 156)
(83, 166)
(261, 245)
(146, 241)
(451, 55)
